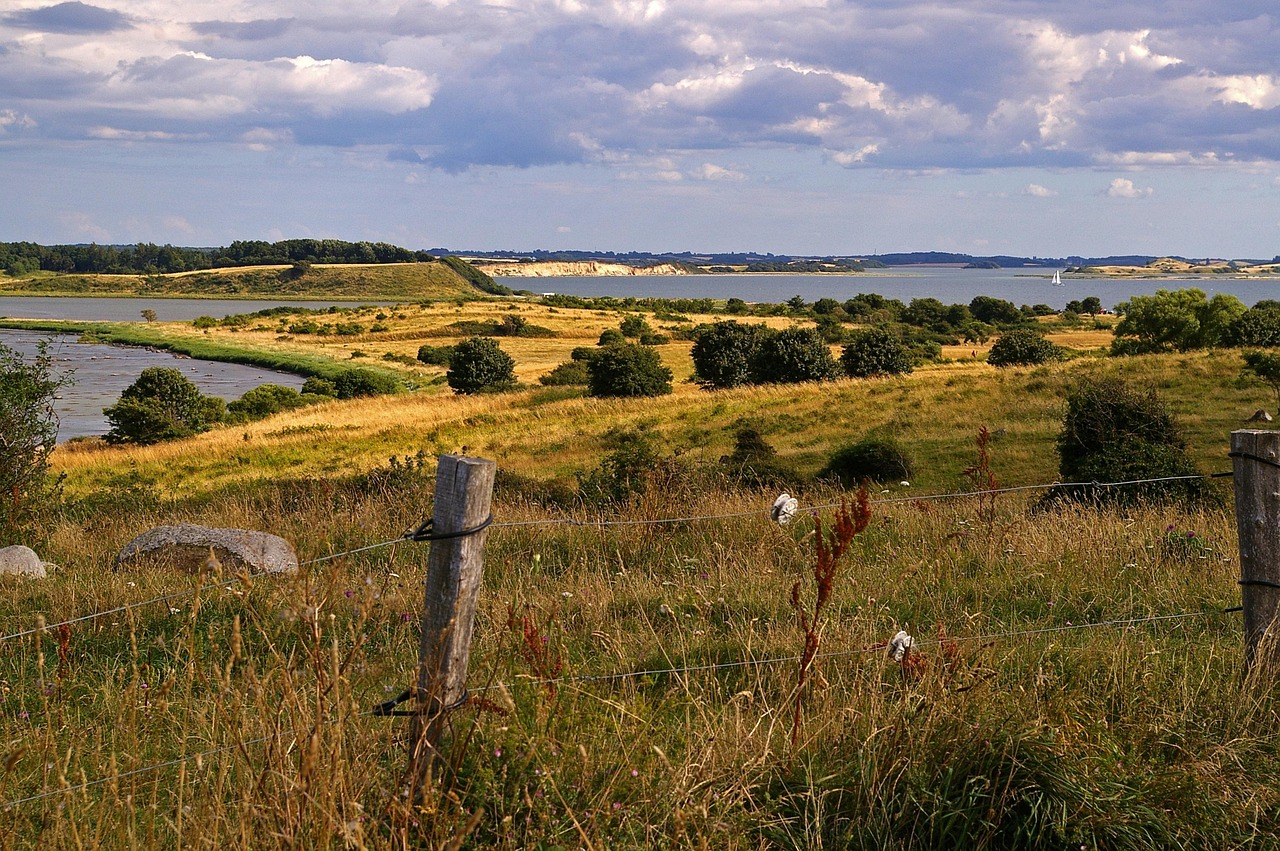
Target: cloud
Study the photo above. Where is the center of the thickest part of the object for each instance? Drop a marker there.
(10, 119)
(1038, 191)
(1122, 187)
(72, 18)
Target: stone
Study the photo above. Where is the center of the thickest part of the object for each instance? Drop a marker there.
(22, 561)
(1260, 416)
(189, 547)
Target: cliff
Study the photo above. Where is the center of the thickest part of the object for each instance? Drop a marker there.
(586, 268)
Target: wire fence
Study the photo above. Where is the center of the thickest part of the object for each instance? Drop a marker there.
(419, 534)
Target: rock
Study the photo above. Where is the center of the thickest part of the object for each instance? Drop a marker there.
(1260, 416)
(21, 561)
(188, 547)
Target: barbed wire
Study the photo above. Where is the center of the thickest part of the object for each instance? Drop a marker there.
(593, 678)
(573, 521)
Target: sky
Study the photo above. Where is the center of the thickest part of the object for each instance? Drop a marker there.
(1029, 127)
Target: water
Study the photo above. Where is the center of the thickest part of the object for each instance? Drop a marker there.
(129, 309)
(947, 284)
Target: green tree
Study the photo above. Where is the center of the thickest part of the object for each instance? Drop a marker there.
(723, 353)
(793, 355)
(1257, 326)
(1023, 347)
(162, 404)
(634, 327)
(1174, 320)
(875, 351)
(479, 365)
(1266, 367)
(28, 434)
(995, 311)
(627, 369)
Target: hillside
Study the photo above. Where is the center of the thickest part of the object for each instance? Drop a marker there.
(436, 279)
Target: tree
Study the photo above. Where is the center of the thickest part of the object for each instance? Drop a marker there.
(1091, 305)
(148, 315)
(1265, 366)
(1257, 326)
(723, 353)
(1023, 347)
(793, 355)
(1177, 320)
(28, 434)
(627, 369)
(162, 404)
(479, 365)
(875, 351)
(995, 311)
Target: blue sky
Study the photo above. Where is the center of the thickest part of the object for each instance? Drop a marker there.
(1030, 127)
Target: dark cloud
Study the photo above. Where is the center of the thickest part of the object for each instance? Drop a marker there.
(246, 31)
(73, 18)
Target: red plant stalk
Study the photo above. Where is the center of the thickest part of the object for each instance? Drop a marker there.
(829, 549)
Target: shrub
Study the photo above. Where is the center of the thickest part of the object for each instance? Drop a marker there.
(634, 327)
(435, 355)
(874, 458)
(1113, 432)
(791, 356)
(624, 473)
(628, 369)
(1266, 367)
(570, 373)
(1257, 326)
(28, 434)
(479, 365)
(317, 386)
(723, 352)
(875, 351)
(263, 401)
(357, 383)
(611, 337)
(754, 462)
(162, 404)
(1023, 347)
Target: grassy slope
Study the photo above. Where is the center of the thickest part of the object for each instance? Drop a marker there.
(351, 282)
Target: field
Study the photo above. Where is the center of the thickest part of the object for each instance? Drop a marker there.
(1076, 681)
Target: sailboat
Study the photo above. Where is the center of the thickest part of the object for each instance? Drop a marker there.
(1057, 278)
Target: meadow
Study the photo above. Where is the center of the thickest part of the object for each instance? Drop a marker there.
(1076, 682)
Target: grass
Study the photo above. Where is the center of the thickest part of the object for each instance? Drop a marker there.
(1006, 730)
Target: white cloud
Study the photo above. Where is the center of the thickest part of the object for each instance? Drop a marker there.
(1122, 187)
(10, 118)
(711, 171)
(1038, 191)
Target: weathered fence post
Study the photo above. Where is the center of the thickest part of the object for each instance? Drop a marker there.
(1256, 468)
(464, 492)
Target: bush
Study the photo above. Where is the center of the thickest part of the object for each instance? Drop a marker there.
(875, 351)
(874, 458)
(317, 386)
(163, 404)
(624, 473)
(792, 356)
(28, 434)
(357, 383)
(754, 462)
(435, 355)
(1023, 347)
(611, 337)
(1113, 432)
(628, 369)
(723, 352)
(263, 401)
(1258, 326)
(570, 373)
(479, 365)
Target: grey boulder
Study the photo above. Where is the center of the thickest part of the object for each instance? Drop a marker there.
(187, 546)
(21, 561)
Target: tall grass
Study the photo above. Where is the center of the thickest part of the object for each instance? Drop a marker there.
(1139, 736)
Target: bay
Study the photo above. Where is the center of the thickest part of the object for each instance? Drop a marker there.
(129, 308)
(950, 285)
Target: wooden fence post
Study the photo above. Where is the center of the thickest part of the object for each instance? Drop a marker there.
(464, 492)
(1256, 465)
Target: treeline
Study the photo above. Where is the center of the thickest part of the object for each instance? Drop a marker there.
(145, 258)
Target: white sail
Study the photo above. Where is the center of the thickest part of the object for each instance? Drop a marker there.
(1057, 278)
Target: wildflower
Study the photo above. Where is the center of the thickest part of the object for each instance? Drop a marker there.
(404, 617)
(348, 593)
(635, 773)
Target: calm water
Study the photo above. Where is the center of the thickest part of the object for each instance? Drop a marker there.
(948, 285)
(102, 372)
